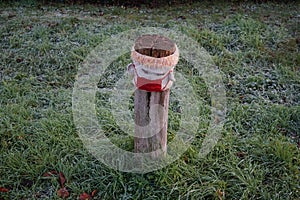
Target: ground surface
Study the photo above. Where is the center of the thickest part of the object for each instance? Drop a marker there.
(256, 47)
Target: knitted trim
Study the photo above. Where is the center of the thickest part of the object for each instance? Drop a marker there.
(151, 62)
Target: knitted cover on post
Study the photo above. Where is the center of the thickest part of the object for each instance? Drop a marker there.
(153, 74)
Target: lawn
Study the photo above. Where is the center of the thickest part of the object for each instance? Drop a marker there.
(256, 48)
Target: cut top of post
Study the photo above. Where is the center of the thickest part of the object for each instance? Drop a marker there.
(156, 46)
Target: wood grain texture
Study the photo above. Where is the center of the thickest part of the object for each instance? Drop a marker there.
(151, 106)
(155, 46)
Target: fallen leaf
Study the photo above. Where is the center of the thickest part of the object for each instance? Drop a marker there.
(62, 179)
(11, 16)
(52, 24)
(85, 196)
(2, 189)
(220, 194)
(19, 60)
(63, 193)
(181, 17)
(93, 193)
(186, 159)
(51, 173)
(241, 154)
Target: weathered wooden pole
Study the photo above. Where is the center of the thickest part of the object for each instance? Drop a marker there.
(154, 58)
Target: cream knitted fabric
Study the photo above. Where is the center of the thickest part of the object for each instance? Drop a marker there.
(154, 68)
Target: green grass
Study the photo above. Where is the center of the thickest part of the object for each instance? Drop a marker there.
(256, 47)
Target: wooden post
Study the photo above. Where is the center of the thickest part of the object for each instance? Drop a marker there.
(146, 110)
(151, 107)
